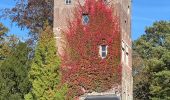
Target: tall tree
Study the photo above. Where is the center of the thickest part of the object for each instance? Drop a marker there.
(14, 83)
(154, 48)
(31, 14)
(45, 71)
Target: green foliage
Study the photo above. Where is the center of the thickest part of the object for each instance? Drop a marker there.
(154, 49)
(14, 82)
(3, 31)
(45, 72)
(28, 96)
(7, 43)
(61, 93)
(6, 46)
(160, 87)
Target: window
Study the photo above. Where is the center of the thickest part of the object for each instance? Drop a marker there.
(127, 55)
(85, 19)
(128, 9)
(67, 2)
(103, 51)
(123, 51)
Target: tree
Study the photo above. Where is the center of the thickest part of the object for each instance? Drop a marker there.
(153, 48)
(45, 71)
(141, 88)
(3, 31)
(7, 43)
(31, 14)
(14, 83)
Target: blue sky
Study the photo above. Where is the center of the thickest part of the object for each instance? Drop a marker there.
(144, 13)
(22, 34)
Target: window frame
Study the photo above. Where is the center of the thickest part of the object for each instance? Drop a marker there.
(68, 2)
(101, 51)
(83, 16)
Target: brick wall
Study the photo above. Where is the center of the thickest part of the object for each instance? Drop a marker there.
(63, 12)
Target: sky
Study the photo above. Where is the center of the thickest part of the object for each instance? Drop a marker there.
(144, 13)
(13, 28)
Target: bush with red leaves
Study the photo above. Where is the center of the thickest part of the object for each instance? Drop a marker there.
(83, 68)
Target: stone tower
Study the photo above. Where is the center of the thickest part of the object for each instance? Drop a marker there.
(63, 11)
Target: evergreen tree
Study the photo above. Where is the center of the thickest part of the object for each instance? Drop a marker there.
(14, 82)
(154, 49)
(45, 72)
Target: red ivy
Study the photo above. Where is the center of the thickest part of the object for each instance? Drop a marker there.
(83, 69)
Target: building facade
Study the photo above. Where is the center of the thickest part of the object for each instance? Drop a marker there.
(63, 11)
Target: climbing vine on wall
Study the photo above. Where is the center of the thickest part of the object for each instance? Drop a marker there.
(83, 68)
